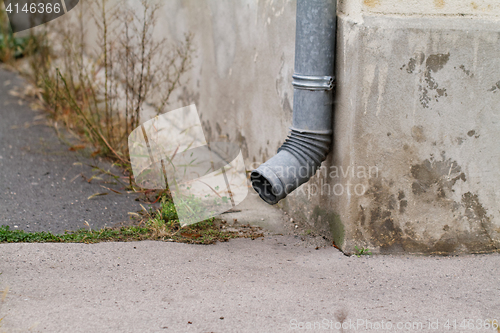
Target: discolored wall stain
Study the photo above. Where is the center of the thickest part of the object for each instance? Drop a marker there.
(417, 132)
(461, 139)
(242, 141)
(436, 62)
(218, 129)
(207, 129)
(383, 223)
(479, 222)
(474, 211)
(472, 133)
(264, 154)
(415, 61)
(495, 88)
(429, 88)
(287, 107)
(439, 3)
(434, 179)
(371, 3)
(384, 227)
(320, 216)
(378, 220)
(211, 136)
(361, 216)
(188, 97)
(402, 202)
(466, 71)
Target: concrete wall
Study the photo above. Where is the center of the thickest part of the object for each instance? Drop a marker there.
(418, 99)
(357, 9)
(242, 73)
(414, 167)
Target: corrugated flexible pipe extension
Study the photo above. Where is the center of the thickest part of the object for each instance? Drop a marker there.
(306, 148)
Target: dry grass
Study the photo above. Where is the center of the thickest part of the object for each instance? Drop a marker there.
(100, 93)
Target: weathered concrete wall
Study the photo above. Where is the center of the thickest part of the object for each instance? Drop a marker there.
(242, 67)
(418, 104)
(414, 162)
(357, 9)
(242, 73)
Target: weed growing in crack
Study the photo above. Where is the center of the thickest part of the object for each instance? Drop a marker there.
(362, 251)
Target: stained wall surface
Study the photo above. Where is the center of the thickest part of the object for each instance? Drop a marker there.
(414, 166)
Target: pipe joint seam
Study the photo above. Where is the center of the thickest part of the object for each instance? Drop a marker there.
(309, 142)
(312, 82)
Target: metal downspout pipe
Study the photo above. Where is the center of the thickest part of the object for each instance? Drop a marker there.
(306, 148)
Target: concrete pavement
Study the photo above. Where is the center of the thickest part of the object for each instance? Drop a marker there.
(275, 284)
(283, 282)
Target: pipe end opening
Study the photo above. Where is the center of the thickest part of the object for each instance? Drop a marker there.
(263, 187)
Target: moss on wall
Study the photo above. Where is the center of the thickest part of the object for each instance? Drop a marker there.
(321, 215)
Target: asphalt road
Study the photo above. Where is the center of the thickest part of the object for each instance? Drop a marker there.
(40, 186)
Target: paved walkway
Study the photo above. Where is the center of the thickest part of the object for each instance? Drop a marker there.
(264, 285)
(278, 283)
(40, 186)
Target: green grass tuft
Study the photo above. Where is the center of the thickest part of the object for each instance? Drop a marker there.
(162, 225)
(80, 236)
